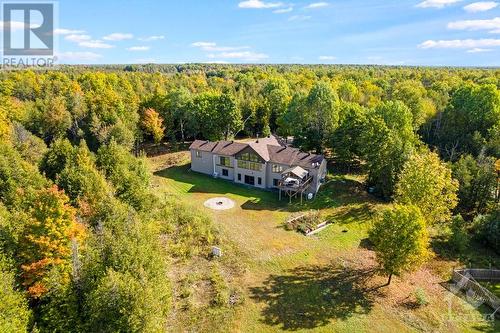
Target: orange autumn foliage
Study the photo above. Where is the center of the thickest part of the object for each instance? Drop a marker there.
(152, 123)
(49, 230)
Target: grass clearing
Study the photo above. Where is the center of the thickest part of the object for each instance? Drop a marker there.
(285, 281)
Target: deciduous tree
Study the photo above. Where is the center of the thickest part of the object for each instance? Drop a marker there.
(400, 239)
(426, 182)
(49, 228)
(152, 124)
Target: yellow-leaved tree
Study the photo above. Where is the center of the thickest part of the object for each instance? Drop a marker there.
(400, 239)
(46, 241)
(152, 123)
(426, 182)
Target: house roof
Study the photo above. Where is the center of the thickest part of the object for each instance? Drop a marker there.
(268, 148)
(294, 156)
(203, 145)
(228, 148)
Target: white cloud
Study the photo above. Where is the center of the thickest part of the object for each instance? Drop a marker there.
(68, 32)
(297, 18)
(212, 47)
(258, 4)
(203, 44)
(78, 56)
(95, 44)
(138, 48)
(436, 3)
(460, 44)
(317, 5)
(77, 38)
(481, 6)
(478, 50)
(473, 25)
(229, 52)
(117, 36)
(151, 38)
(242, 55)
(283, 10)
(326, 58)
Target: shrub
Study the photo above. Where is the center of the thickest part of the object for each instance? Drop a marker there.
(14, 312)
(488, 229)
(459, 238)
(219, 285)
(421, 297)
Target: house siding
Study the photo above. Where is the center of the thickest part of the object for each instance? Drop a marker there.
(230, 169)
(209, 163)
(273, 175)
(256, 174)
(318, 174)
(203, 164)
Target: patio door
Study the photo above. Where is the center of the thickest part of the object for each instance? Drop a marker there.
(250, 180)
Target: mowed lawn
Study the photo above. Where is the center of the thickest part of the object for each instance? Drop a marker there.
(321, 283)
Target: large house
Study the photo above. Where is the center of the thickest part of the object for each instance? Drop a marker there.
(264, 163)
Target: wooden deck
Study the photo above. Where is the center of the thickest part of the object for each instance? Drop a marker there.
(295, 190)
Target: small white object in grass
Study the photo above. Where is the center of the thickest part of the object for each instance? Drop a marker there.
(219, 203)
(310, 196)
(216, 251)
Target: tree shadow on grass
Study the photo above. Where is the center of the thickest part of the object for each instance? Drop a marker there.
(354, 213)
(309, 297)
(258, 199)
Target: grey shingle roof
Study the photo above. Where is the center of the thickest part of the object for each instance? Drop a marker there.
(268, 148)
(293, 156)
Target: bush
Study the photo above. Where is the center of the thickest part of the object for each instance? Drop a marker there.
(459, 238)
(190, 233)
(304, 223)
(14, 313)
(221, 290)
(123, 303)
(421, 297)
(488, 229)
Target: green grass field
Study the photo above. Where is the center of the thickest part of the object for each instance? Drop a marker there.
(290, 282)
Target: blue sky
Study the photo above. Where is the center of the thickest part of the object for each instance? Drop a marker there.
(404, 32)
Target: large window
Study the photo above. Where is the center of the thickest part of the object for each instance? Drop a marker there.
(249, 157)
(249, 165)
(225, 161)
(277, 168)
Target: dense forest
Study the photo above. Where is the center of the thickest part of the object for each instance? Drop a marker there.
(84, 240)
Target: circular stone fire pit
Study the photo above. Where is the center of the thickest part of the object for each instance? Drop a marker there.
(220, 203)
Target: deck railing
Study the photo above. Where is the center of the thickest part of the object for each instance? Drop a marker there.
(300, 186)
